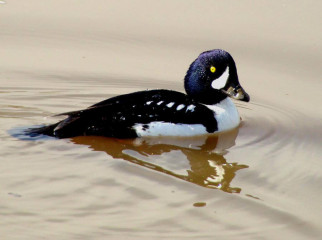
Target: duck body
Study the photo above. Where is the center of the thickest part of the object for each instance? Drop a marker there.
(206, 108)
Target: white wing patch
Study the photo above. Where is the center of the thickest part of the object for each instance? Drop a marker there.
(169, 105)
(190, 108)
(220, 82)
(180, 107)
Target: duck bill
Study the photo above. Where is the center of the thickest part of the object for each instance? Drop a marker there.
(237, 93)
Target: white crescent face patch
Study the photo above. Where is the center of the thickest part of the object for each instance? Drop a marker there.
(220, 82)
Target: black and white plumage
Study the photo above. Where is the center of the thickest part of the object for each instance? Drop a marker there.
(206, 108)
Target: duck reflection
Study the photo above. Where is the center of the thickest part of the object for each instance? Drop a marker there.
(199, 160)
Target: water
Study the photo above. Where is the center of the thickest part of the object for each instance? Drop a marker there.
(261, 181)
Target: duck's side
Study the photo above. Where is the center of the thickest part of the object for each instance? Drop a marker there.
(145, 113)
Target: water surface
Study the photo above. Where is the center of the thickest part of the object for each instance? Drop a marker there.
(261, 181)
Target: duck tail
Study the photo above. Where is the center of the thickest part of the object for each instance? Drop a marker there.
(44, 130)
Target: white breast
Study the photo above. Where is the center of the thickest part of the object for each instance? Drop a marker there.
(226, 114)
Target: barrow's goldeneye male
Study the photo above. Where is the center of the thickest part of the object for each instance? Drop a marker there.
(210, 82)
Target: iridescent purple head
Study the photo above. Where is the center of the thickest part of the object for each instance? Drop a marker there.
(212, 77)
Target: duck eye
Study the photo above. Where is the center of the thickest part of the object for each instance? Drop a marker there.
(212, 69)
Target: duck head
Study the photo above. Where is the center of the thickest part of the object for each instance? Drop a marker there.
(212, 77)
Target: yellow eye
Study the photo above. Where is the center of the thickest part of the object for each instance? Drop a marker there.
(212, 69)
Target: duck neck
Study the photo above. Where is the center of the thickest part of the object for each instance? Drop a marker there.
(209, 98)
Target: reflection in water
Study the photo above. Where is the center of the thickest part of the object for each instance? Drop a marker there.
(207, 166)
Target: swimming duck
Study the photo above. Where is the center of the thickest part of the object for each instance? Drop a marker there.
(210, 82)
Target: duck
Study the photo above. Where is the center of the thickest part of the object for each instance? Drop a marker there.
(211, 81)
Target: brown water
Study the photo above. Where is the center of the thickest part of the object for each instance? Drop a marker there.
(261, 181)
